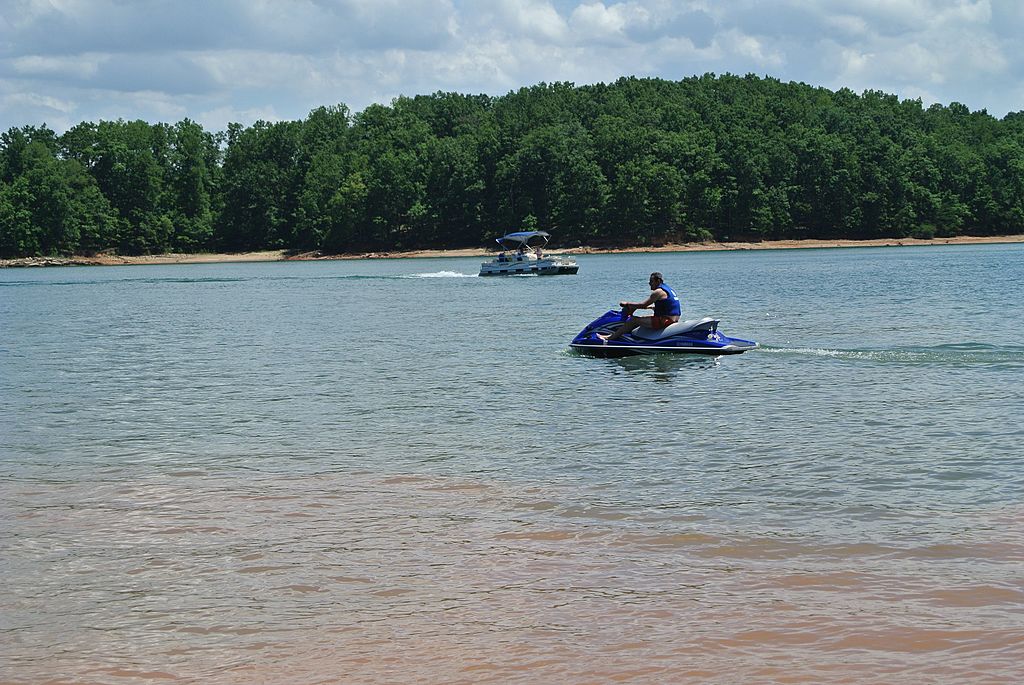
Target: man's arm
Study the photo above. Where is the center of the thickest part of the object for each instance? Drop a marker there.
(646, 304)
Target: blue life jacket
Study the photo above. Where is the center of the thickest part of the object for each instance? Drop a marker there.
(668, 306)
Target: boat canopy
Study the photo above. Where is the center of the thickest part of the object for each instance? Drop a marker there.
(513, 241)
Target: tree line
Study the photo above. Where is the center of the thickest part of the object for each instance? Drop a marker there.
(634, 162)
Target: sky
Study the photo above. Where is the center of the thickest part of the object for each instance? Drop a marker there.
(221, 61)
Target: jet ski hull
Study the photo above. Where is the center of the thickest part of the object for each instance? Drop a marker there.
(616, 349)
(699, 336)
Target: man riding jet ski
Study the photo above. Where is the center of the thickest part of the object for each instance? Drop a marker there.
(618, 334)
(666, 309)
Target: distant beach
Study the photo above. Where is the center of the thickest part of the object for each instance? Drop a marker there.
(286, 255)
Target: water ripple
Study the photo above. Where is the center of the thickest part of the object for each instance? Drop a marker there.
(383, 470)
(951, 354)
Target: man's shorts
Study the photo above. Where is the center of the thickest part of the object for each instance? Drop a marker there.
(659, 322)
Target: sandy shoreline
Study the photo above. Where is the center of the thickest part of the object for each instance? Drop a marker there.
(282, 255)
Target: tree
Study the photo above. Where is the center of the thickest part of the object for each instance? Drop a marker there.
(262, 183)
(191, 186)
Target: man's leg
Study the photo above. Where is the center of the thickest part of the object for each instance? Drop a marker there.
(633, 323)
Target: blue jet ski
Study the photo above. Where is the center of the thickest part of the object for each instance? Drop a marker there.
(696, 336)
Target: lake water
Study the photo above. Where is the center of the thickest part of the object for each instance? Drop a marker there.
(395, 471)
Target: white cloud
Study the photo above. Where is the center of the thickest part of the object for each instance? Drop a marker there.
(848, 24)
(245, 69)
(214, 119)
(77, 67)
(261, 58)
(158, 105)
(536, 18)
(34, 100)
(594, 20)
(761, 55)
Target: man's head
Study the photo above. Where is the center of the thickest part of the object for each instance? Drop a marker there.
(656, 280)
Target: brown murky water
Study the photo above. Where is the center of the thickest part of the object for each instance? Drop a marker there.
(362, 578)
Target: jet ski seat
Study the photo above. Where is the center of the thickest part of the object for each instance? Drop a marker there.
(692, 325)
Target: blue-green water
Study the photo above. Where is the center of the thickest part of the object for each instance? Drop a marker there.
(395, 471)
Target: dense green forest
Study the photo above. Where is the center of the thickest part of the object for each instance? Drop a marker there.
(635, 162)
